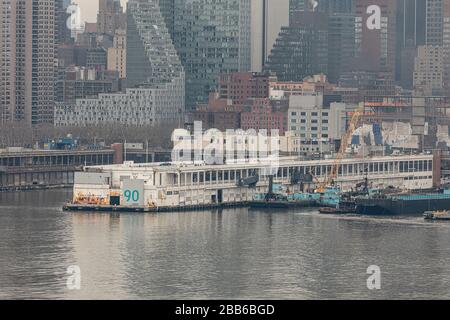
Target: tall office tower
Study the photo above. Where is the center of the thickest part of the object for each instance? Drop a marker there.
(302, 48)
(268, 17)
(411, 32)
(27, 37)
(375, 48)
(211, 37)
(341, 44)
(434, 22)
(335, 6)
(155, 95)
(411, 22)
(446, 44)
(62, 32)
(341, 33)
(110, 17)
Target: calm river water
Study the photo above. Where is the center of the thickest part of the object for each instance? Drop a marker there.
(229, 254)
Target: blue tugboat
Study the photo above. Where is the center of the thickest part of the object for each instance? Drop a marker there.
(275, 198)
(333, 201)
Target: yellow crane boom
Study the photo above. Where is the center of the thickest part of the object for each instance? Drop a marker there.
(353, 125)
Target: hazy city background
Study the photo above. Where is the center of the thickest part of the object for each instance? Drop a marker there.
(120, 81)
(355, 95)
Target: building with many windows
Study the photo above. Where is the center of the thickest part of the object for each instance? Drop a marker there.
(27, 57)
(428, 69)
(375, 48)
(154, 71)
(110, 17)
(301, 49)
(434, 22)
(315, 124)
(241, 86)
(79, 82)
(341, 44)
(446, 43)
(211, 37)
(117, 55)
(411, 32)
(265, 114)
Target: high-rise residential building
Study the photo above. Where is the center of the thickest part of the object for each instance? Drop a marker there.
(7, 60)
(446, 43)
(211, 37)
(43, 55)
(376, 47)
(154, 71)
(117, 55)
(428, 69)
(110, 17)
(27, 57)
(301, 49)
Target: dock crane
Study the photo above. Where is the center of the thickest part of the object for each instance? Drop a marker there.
(353, 125)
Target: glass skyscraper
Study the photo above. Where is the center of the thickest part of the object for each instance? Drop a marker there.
(211, 37)
(301, 49)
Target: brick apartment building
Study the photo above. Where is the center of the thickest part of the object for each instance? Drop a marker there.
(266, 114)
(241, 86)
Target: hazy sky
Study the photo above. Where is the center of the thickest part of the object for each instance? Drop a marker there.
(89, 9)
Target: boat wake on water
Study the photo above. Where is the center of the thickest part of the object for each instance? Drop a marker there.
(403, 220)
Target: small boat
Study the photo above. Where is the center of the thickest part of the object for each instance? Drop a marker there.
(331, 210)
(437, 215)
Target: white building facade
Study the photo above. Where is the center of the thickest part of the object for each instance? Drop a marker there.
(313, 127)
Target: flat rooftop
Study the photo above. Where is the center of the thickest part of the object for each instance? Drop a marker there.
(282, 161)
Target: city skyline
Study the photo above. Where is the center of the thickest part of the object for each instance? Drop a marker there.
(89, 9)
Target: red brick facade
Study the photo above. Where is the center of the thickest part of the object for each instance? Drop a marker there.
(264, 114)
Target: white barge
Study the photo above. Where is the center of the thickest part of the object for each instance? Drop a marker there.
(184, 186)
